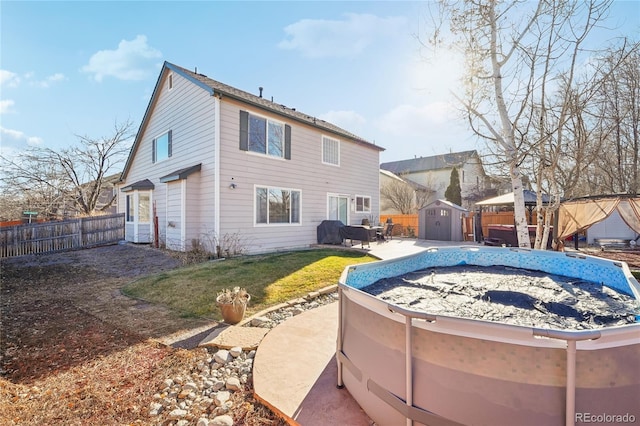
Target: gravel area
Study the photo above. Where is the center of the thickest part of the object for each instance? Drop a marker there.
(207, 393)
(275, 317)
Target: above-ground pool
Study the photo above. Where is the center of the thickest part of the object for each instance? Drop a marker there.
(415, 367)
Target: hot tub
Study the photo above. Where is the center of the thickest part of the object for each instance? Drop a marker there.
(409, 367)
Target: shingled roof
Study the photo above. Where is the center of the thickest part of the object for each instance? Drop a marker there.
(436, 162)
(224, 90)
(231, 92)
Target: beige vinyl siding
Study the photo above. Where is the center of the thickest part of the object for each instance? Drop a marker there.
(357, 174)
(196, 229)
(174, 218)
(188, 111)
(129, 231)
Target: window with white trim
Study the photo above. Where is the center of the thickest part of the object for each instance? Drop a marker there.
(162, 147)
(266, 136)
(363, 204)
(138, 207)
(131, 205)
(330, 151)
(144, 214)
(277, 206)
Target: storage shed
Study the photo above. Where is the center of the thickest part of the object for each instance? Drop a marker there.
(442, 221)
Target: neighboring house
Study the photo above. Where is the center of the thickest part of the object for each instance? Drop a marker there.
(107, 194)
(397, 192)
(220, 166)
(435, 173)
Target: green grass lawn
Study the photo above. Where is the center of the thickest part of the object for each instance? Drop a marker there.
(270, 279)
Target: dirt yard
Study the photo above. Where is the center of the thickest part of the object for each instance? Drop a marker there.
(631, 257)
(73, 349)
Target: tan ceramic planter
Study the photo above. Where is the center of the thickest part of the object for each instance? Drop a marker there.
(233, 313)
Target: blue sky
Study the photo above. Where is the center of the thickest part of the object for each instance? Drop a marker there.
(76, 68)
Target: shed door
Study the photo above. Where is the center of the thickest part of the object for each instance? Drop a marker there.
(438, 225)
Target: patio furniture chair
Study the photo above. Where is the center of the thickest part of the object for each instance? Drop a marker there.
(385, 232)
(388, 231)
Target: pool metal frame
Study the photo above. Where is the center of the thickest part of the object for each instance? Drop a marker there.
(406, 406)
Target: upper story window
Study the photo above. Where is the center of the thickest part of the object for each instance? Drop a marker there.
(277, 206)
(363, 204)
(162, 147)
(264, 136)
(170, 82)
(330, 151)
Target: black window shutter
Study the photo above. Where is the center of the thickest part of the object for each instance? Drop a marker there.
(287, 142)
(153, 151)
(244, 131)
(170, 147)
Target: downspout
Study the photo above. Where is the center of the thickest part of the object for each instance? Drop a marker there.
(216, 167)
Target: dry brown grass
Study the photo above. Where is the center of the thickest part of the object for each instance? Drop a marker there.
(75, 351)
(114, 389)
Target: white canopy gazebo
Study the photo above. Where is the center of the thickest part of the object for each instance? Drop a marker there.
(508, 199)
(578, 215)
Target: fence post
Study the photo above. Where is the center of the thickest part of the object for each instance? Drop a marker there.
(80, 224)
(15, 240)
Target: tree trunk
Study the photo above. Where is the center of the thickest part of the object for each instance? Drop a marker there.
(519, 211)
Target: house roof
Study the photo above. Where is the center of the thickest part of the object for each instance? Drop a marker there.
(181, 174)
(436, 162)
(416, 186)
(223, 90)
(140, 185)
(391, 175)
(508, 199)
(446, 203)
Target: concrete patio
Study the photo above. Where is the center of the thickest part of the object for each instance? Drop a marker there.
(295, 371)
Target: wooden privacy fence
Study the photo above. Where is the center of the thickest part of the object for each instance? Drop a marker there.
(59, 236)
(402, 222)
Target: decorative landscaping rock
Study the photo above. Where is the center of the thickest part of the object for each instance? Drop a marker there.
(222, 356)
(202, 394)
(225, 420)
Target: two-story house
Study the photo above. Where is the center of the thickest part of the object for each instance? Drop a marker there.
(434, 174)
(214, 165)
